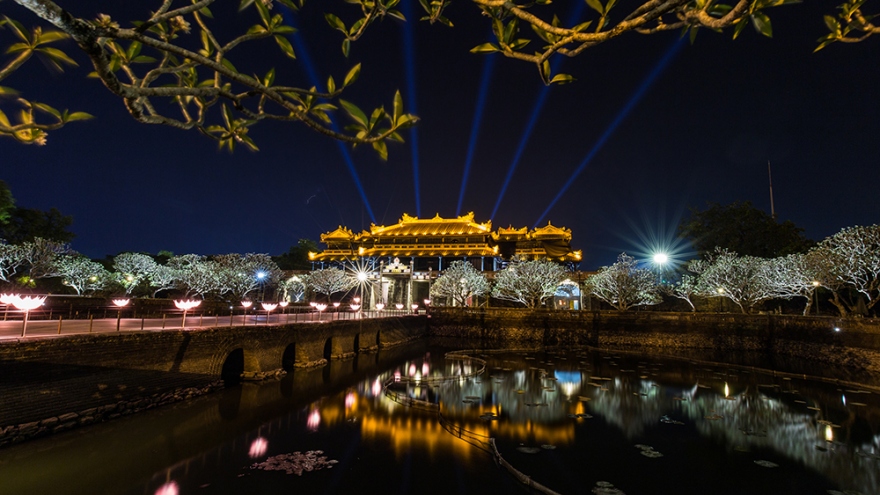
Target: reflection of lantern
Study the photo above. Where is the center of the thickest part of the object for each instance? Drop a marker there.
(726, 390)
(412, 369)
(350, 400)
(314, 420)
(258, 447)
(425, 368)
(829, 434)
(169, 488)
(377, 388)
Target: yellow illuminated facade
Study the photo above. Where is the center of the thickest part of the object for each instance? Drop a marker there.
(426, 242)
(402, 259)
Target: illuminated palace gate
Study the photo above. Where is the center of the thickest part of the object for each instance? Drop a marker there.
(401, 261)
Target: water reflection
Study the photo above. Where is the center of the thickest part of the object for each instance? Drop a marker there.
(571, 420)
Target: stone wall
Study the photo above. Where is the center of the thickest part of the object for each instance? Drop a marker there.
(856, 345)
(52, 384)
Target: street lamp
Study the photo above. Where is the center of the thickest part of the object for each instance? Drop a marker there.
(246, 304)
(320, 308)
(816, 295)
(7, 299)
(186, 305)
(26, 304)
(660, 260)
(261, 277)
(120, 303)
(269, 307)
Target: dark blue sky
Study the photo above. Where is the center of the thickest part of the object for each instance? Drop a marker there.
(703, 131)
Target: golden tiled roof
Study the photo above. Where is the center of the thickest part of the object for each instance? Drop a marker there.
(437, 226)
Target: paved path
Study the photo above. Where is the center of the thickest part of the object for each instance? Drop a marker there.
(12, 327)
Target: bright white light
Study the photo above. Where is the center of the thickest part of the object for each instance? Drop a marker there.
(355, 307)
(380, 306)
(362, 276)
(320, 307)
(121, 302)
(169, 488)
(283, 304)
(8, 298)
(247, 304)
(415, 307)
(398, 306)
(427, 302)
(269, 306)
(261, 275)
(336, 304)
(258, 447)
(187, 304)
(314, 420)
(836, 329)
(28, 303)
(660, 258)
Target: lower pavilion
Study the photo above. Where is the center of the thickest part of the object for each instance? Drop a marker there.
(405, 258)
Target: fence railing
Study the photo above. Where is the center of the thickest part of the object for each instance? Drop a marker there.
(47, 323)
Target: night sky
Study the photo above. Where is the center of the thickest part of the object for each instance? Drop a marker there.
(703, 130)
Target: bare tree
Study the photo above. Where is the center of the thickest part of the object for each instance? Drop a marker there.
(742, 279)
(624, 285)
(330, 281)
(133, 270)
(293, 289)
(243, 274)
(850, 259)
(196, 275)
(793, 276)
(460, 282)
(686, 288)
(528, 282)
(81, 274)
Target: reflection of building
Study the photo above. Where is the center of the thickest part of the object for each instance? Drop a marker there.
(406, 256)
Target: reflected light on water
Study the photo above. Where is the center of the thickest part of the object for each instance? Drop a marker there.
(829, 433)
(425, 368)
(350, 400)
(412, 369)
(377, 386)
(726, 390)
(314, 420)
(169, 488)
(397, 376)
(258, 448)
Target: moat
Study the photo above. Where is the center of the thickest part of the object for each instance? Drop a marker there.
(573, 420)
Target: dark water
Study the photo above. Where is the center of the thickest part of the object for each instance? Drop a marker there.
(575, 421)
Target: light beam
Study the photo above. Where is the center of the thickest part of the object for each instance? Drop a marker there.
(409, 55)
(533, 118)
(303, 56)
(609, 131)
(485, 78)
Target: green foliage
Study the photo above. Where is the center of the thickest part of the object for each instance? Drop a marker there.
(744, 229)
(26, 224)
(297, 257)
(7, 204)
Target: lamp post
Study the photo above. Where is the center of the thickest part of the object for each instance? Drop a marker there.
(246, 304)
(26, 304)
(269, 307)
(186, 305)
(261, 276)
(320, 308)
(120, 303)
(7, 299)
(660, 260)
(336, 309)
(816, 295)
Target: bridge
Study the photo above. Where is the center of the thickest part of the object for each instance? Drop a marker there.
(58, 382)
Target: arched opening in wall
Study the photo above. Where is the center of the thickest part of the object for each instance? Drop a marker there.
(328, 349)
(233, 367)
(288, 358)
